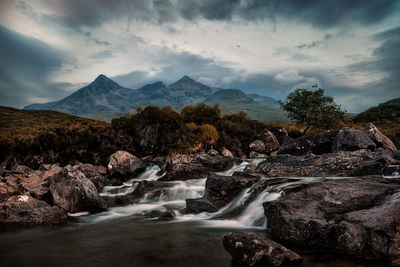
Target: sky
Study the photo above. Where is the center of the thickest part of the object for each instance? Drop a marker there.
(51, 48)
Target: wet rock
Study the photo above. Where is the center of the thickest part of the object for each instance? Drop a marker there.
(183, 167)
(257, 146)
(349, 139)
(72, 191)
(379, 138)
(39, 191)
(24, 209)
(96, 174)
(318, 144)
(352, 216)
(265, 143)
(21, 169)
(6, 191)
(282, 135)
(254, 250)
(219, 191)
(123, 163)
(167, 216)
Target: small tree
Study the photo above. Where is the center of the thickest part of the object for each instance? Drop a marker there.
(311, 108)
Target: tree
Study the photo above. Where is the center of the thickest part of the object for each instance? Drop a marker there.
(311, 108)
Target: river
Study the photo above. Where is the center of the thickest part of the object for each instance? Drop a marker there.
(123, 236)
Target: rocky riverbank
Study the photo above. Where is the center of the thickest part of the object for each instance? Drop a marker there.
(356, 216)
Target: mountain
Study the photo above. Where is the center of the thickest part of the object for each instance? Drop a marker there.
(265, 100)
(103, 94)
(104, 99)
(184, 92)
(385, 112)
(233, 100)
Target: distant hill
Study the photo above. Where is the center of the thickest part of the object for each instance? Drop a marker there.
(385, 112)
(233, 100)
(265, 100)
(104, 99)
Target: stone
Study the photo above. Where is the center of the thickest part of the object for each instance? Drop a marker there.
(73, 192)
(349, 139)
(24, 209)
(379, 138)
(254, 250)
(225, 152)
(123, 163)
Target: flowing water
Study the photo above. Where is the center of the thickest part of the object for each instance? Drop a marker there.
(123, 236)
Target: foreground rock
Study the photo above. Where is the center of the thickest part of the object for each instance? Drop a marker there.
(219, 191)
(124, 164)
(353, 216)
(24, 209)
(255, 250)
(183, 167)
(349, 139)
(72, 191)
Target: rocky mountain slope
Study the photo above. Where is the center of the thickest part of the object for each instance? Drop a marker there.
(104, 99)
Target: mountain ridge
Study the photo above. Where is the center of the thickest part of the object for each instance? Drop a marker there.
(105, 99)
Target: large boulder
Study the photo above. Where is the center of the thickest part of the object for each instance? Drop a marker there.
(123, 163)
(352, 216)
(254, 250)
(349, 139)
(183, 167)
(24, 209)
(72, 191)
(379, 138)
(219, 191)
(318, 144)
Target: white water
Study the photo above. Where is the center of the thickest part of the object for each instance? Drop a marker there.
(173, 197)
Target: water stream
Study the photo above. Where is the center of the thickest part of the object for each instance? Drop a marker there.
(125, 236)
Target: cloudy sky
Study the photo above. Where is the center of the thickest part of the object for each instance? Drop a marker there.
(50, 48)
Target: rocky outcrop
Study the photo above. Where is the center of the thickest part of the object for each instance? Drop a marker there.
(254, 250)
(183, 167)
(72, 191)
(352, 216)
(349, 139)
(124, 164)
(24, 209)
(342, 163)
(226, 153)
(379, 138)
(219, 191)
(266, 143)
(318, 144)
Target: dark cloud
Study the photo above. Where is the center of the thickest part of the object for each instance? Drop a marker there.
(320, 13)
(25, 64)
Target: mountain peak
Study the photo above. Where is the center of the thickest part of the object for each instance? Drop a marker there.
(102, 78)
(186, 79)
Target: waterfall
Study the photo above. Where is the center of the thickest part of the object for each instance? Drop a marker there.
(248, 205)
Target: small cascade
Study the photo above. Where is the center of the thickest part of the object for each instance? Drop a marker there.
(245, 211)
(391, 172)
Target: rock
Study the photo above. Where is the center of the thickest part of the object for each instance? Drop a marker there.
(349, 139)
(123, 163)
(254, 250)
(225, 152)
(318, 144)
(351, 216)
(39, 191)
(183, 167)
(24, 209)
(72, 191)
(21, 169)
(94, 173)
(282, 135)
(167, 216)
(219, 191)
(213, 152)
(343, 163)
(269, 140)
(257, 146)
(6, 191)
(379, 138)
(256, 155)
